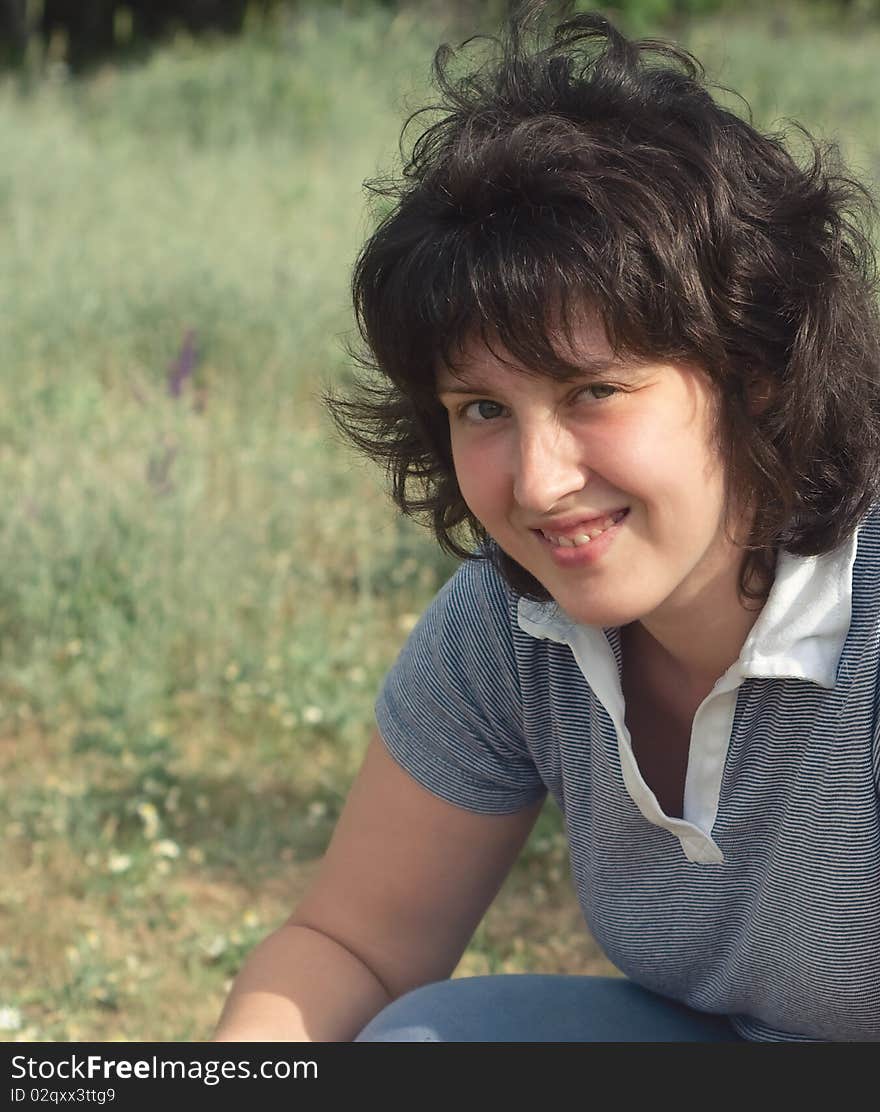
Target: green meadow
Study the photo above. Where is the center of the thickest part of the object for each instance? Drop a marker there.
(201, 588)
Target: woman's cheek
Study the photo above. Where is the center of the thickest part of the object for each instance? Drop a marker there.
(479, 475)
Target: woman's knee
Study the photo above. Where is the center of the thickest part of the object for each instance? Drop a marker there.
(529, 1007)
(422, 1015)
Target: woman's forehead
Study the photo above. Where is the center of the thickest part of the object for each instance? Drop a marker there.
(582, 347)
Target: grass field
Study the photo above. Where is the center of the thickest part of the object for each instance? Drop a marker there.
(200, 589)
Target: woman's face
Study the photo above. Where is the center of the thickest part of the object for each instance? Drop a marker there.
(536, 459)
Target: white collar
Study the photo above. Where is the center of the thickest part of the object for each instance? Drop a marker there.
(800, 632)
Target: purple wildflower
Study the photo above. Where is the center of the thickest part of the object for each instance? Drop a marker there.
(183, 365)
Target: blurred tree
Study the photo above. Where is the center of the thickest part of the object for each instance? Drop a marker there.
(87, 27)
(87, 30)
(14, 29)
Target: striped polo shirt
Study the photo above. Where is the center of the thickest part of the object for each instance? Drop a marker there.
(761, 903)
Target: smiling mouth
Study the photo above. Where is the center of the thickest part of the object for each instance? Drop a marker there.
(577, 540)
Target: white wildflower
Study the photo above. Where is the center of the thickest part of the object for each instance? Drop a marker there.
(166, 848)
(316, 812)
(10, 1019)
(215, 946)
(149, 816)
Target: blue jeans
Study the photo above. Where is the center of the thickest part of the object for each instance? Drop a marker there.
(530, 1007)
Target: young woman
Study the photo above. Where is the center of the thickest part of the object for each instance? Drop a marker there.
(629, 347)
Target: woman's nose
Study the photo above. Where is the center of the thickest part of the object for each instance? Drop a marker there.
(548, 467)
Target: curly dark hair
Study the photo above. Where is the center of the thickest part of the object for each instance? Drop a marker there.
(574, 168)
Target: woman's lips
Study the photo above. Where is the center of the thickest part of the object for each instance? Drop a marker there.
(581, 555)
(581, 533)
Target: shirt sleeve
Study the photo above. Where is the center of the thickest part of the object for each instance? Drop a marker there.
(450, 711)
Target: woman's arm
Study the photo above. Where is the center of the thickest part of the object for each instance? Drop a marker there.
(403, 885)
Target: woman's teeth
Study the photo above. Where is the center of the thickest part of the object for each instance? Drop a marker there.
(588, 535)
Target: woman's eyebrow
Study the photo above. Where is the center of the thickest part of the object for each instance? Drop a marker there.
(585, 368)
(463, 388)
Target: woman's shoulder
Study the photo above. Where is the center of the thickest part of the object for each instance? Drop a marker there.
(869, 528)
(470, 631)
(478, 590)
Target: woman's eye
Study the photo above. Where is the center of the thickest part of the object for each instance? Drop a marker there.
(601, 386)
(483, 410)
